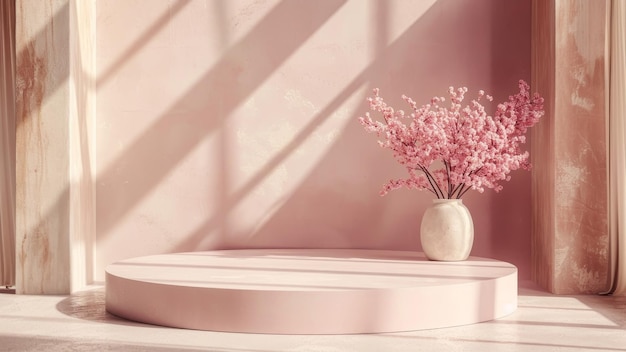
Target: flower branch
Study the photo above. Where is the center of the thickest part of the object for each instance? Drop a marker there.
(477, 150)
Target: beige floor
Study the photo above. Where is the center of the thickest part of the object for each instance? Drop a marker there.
(543, 322)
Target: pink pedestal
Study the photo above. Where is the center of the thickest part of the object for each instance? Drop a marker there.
(309, 291)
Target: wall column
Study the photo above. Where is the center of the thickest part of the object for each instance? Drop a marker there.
(54, 117)
(7, 143)
(570, 228)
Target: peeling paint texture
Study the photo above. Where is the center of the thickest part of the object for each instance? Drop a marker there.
(572, 176)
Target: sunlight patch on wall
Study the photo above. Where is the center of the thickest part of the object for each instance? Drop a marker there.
(278, 156)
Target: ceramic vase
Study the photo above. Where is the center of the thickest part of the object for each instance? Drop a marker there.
(447, 230)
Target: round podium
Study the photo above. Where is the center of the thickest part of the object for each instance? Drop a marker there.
(309, 291)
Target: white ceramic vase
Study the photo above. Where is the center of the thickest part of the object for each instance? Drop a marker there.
(447, 230)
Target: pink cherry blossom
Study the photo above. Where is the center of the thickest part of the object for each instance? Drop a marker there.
(450, 150)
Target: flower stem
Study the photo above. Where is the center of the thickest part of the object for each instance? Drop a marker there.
(456, 188)
(463, 192)
(448, 177)
(433, 182)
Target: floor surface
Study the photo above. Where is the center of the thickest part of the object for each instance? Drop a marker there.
(543, 322)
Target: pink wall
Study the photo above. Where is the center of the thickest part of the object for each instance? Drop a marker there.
(225, 124)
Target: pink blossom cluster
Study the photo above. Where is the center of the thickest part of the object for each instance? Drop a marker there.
(450, 150)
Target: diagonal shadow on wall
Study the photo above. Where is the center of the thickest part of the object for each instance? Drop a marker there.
(27, 56)
(357, 219)
(289, 226)
(42, 71)
(346, 212)
(176, 145)
(160, 155)
(164, 144)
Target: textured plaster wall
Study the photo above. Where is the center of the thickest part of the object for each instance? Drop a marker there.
(7, 143)
(42, 145)
(570, 235)
(55, 206)
(229, 124)
(581, 244)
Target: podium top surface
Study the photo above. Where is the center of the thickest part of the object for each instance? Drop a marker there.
(306, 269)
